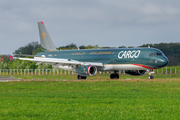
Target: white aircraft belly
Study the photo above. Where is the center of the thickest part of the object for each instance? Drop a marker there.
(123, 67)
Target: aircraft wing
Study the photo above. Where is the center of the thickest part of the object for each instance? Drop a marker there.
(54, 61)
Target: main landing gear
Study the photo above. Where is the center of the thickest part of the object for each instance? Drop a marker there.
(79, 77)
(114, 75)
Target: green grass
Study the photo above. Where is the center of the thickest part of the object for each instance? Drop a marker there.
(97, 100)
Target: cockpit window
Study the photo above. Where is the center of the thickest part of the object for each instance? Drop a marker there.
(159, 54)
(155, 54)
(152, 55)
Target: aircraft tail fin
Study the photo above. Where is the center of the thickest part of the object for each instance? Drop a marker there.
(46, 42)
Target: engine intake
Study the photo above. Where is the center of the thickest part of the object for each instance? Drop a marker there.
(87, 70)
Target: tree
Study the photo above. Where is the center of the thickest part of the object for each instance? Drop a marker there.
(89, 47)
(28, 49)
(72, 45)
(82, 47)
(4, 58)
(122, 46)
(131, 47)
(38, 50)
(96, 46)
(68, 47)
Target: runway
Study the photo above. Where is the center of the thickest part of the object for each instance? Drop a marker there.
(8, 79)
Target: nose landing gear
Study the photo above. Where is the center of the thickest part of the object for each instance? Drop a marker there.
(150, 77)
(150, 72)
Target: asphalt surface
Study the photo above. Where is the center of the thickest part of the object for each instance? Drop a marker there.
(7, 79)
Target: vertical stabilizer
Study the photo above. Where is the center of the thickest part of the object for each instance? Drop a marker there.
(46, 42)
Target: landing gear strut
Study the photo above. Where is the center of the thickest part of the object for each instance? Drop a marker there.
(79, 77)
(114, 75)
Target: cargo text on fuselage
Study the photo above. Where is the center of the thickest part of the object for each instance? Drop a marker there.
(129, 54)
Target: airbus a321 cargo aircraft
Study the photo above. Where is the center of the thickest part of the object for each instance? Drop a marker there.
(86, 62)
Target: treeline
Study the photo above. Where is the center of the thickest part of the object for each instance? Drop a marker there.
(34, 47)
(19, 64)
(171, 50)
(30, 49)
(73, 46)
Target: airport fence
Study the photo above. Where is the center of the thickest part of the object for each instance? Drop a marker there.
(167, 70)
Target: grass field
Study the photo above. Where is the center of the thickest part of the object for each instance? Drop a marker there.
(97, 98)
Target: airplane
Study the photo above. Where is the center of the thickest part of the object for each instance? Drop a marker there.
(87, 62)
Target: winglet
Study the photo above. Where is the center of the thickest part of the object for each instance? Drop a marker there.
(11, 58)
(42, 22)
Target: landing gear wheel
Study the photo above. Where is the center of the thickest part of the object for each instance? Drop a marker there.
(83, 77)
(79, 77)
(117, 76)
(114, 76)
(150, 77)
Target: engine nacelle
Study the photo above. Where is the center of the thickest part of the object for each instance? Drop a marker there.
(87, 70)
(135, 72)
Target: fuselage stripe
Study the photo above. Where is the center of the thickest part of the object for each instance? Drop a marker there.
(143, 66)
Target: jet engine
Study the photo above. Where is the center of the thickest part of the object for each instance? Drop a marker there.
(135, 72)
(87, 70)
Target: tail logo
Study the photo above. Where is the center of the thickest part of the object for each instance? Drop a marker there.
(43, 35)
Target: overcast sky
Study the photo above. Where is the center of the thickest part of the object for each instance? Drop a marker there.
(89, 22)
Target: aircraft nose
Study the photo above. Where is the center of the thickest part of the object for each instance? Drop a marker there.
(164, 61)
